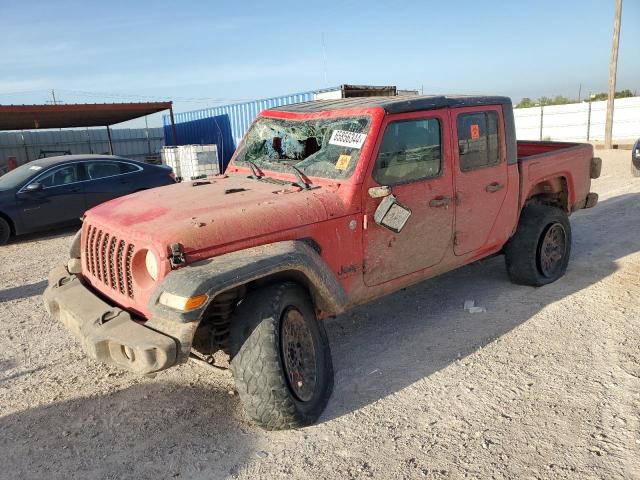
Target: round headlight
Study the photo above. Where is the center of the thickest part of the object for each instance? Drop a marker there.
(151, 262)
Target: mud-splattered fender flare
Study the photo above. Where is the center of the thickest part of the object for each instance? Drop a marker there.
(221, 273)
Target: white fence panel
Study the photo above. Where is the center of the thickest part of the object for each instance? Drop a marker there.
(574, 122)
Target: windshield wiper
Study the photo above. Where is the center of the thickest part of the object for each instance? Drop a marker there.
(257, 174)
(254, 170)
(298, 173)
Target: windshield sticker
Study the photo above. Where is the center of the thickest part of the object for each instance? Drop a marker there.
(475, 131)
(345, 138)
(343, 162)
(35, 167)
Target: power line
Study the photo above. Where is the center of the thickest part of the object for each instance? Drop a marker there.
(24, 92)
(123, 96)
(84, 93)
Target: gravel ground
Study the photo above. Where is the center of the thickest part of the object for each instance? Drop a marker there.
(545, 384)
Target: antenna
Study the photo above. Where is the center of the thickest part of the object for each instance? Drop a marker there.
(324, 58)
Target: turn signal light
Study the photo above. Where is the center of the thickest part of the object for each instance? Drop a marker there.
(184, 304)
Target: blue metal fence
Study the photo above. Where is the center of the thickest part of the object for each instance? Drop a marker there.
(226, 125)
(205, 131)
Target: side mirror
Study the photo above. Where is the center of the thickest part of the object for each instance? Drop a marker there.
(391, 214)
(33, 187)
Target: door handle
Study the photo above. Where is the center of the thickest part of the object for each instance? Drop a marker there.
(494, 187)
(440, 202)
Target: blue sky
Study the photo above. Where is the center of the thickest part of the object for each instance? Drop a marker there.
(201, 53)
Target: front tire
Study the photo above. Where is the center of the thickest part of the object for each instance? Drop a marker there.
(539, 251)
(280, 357)
(5, 231)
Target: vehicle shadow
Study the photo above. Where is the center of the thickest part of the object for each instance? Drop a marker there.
(23, 291)
(383, 347)
(149, 430)
(6, 365)
(45, 235)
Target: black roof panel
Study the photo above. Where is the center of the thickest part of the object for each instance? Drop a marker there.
(399, 104)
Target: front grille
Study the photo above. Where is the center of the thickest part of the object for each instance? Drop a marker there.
(109, 259)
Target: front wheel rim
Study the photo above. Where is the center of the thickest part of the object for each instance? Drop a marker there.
(552, 250)
(298, 354)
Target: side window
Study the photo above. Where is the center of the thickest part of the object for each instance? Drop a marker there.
(478, 140)
(128, 168)
(410, 150)
(59, 176)
(97, 170)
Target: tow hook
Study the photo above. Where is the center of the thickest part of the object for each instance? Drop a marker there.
(106, 316)
(176, 255)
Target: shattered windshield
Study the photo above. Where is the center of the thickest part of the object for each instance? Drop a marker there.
(323, 147)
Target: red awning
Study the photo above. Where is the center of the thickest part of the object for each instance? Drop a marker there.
(28, 117)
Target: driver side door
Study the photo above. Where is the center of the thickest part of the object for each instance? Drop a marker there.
(59, 201)
(413, 159)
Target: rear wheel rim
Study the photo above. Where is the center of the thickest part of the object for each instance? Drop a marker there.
(298, 354)
(552, 250)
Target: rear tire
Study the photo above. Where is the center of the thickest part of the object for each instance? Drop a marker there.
(635, 171)
(539, 251)
(5, 231)
(280, 357)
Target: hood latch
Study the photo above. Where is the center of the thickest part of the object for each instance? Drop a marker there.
(176, 255)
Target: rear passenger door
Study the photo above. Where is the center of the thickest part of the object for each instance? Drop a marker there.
(481, 174)
(108, 179)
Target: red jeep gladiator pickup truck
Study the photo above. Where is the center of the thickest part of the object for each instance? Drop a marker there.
(324, 206)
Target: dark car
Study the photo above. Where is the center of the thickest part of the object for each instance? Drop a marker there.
(635, 159)
(56, 191)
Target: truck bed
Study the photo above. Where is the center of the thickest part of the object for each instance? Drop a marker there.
(549, 166)
(529, 148)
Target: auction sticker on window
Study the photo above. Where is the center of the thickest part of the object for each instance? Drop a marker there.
(343, 162)
(345, 138)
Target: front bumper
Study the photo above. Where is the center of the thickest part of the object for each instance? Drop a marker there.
(107, 333)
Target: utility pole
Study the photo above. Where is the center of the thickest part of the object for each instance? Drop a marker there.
(53, 95)
(589, 117)
(613, 68)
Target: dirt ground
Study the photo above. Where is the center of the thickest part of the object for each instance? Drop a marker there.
(545, 384)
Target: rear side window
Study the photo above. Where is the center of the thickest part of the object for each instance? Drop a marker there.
(128, 168)
(410, 150)
(97, 170)
(60, 176)
(478, 140)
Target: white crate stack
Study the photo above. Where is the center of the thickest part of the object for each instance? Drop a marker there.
(169, 156)
(192, 161)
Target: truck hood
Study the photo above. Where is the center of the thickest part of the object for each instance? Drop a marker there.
(206, 215)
